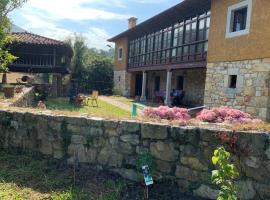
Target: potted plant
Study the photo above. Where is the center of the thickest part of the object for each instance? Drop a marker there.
(8, 91)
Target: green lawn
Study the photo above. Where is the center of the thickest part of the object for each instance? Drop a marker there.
(103, 110)
(24, 177)
(124, 100)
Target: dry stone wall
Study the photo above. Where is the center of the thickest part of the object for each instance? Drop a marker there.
(26, 99)
(180, 153)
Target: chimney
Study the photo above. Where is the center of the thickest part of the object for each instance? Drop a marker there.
(132, 22)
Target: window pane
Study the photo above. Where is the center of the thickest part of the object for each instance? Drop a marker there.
(185, 52)
(187, 34)
(239, 19)
(193, 31)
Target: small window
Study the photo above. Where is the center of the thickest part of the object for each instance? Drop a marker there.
(180, 83)
(119, 78)
(232, 81)
(120, 53)
(238, 19)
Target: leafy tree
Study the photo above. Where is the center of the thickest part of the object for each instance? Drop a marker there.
(6, 6)
(78, 61)
(100, 75)
(225, 174)
(92, 68)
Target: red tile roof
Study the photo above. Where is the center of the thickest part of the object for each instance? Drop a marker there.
(30, 38)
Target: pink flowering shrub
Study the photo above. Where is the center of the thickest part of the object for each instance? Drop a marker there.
(227, 115)
(164, 112)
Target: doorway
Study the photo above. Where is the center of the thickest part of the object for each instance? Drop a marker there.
(138, 85)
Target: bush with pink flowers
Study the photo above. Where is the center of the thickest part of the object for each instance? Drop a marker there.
(164, 112)
(227, 115)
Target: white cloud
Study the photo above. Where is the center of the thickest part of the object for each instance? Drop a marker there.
(70, 10)
(97, 37)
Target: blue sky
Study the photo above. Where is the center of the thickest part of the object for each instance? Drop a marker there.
(96, 20)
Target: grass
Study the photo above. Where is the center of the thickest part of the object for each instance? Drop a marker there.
(124, 100)
(23, 177)
(103, 110)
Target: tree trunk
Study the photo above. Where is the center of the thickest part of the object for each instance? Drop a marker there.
(4, 78)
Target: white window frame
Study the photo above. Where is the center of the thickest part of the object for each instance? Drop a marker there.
(231, 9)
(118, 54)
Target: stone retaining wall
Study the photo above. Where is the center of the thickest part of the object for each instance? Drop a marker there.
(180, 153)
(25, 99)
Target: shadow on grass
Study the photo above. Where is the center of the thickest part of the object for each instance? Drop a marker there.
(33, 177)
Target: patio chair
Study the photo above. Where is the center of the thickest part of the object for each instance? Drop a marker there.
(93, 98)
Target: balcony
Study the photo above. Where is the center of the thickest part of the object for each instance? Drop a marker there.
(39, 63)
(182, 45)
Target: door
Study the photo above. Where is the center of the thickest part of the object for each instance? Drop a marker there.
(138, 85)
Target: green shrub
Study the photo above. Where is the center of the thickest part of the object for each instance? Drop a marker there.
(224, 175)
(116, 91)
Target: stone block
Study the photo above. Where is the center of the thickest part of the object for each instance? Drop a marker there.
(193, 163)
(267, 153)
(46, 147)
(187, 174)
(127, 174)
(78, 139)
(206, 192)
(96, 131)
(263, 190)
(152, 131)
(245, 190)
(130, 138)
(164, 151)
(109, 157)
(112, 132)
(130, 126)
(74, 129)
(164, 167)
(126, 148)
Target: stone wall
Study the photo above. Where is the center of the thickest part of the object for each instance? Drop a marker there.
(25, 99)
(182, 154)
(122, 82)
(252, 92)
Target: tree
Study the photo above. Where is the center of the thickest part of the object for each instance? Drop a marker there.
(92, 68)
(6, 6)
(100, 75)
(79, 47)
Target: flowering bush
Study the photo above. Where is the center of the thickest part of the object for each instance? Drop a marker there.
(164, 112)
(227, 115)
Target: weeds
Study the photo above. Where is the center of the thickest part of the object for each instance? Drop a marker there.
(24, 177)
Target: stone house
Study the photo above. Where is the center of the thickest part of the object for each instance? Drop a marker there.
(217, 51)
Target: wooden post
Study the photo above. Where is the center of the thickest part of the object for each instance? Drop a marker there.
(54, 57)
(143, 97)
(168, 88)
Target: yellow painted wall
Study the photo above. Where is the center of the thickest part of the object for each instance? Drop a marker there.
(252, 46)
(121, 65)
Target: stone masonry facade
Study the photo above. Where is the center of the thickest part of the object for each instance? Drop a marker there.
(122, 82)
(181, 154)
(252, 92)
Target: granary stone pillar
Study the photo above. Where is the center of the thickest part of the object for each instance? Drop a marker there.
(168, 88)
(143, 97)
(57, 88)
